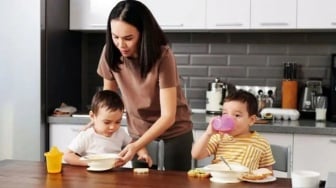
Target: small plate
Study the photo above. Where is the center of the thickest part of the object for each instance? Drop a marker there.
(98, 169)
(218, 180)
(267, 179)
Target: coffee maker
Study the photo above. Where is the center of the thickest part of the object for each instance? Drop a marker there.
(332, 104)
(312, 89)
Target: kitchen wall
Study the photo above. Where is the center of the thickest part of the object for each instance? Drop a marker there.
(239, 58)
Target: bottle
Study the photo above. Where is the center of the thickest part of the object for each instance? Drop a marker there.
(223, 123)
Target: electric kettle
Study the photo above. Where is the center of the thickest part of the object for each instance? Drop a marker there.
(215, 95)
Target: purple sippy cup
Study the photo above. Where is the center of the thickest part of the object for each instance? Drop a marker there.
(223, 123)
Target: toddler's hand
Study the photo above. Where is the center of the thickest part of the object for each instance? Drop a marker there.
(210, 130)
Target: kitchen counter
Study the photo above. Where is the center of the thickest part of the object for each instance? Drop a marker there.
(201, 120)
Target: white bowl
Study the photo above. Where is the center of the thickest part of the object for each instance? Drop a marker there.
(100, 162)
(221, 173)
(305, 178)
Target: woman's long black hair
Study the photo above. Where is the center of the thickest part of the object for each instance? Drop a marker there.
(151, 35)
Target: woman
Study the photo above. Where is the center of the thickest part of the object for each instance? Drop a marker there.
(137, 60)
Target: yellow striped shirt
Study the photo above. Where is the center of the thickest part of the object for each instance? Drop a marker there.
(252, 151)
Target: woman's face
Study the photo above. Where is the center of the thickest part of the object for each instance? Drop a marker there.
(106, 122)
(125, 37)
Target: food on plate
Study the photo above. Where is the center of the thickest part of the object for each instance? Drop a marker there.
(198, 173)
(141, 170)
(258, 174)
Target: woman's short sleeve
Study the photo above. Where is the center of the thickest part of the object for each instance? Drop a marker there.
(103, 69)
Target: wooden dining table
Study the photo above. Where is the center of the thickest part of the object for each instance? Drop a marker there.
(32, 174)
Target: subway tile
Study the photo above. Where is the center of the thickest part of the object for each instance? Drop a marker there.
(181, 59)
(178, 37)
(197, 103)
(324, 38)
(190, 48)
(247, 60)
(286, 38)
(209, 37)
(265, 72)
(228, 48)
(267, 49)
(280, 60)
(247, 81)
(316, 72)
(200, 82)
(220, 71)
(196, 93)
(308, 49)
(319, 61)
(193, 70)
(209, 60)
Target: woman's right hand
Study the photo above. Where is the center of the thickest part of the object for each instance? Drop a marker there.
(90, 124)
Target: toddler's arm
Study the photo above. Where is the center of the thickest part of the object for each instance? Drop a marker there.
(199, 149)
(72, 158)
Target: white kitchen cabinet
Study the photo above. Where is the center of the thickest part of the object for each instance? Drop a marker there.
(60, 135)
(171, 15)
(282, 139)
(273, 14)
(313, 14)
(315, 152)
(90, 14)
(177, 14)
(228, 14)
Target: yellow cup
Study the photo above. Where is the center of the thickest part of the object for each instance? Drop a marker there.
(54, 160)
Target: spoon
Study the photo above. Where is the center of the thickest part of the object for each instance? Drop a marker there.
(227, 164)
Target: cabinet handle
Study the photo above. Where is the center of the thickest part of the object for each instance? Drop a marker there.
(274, 24)
(229, 24)
(333, 141)
(177, 25)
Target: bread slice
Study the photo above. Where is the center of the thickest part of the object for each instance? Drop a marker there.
(141, 170)
(258, 174)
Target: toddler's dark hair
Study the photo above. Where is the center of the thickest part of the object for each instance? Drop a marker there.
(244, 97)
(106, 99)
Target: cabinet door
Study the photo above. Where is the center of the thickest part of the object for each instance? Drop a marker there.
(315, 152)
(279, 138)
(60, 135)
(273, 14)
(316, 14)
(90, 14)
(177, 14)
(228, 14)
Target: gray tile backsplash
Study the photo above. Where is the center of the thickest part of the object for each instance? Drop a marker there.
(246, 58)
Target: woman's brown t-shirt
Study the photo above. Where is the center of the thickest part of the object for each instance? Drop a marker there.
(141, 96)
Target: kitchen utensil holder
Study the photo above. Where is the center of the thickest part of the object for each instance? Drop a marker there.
(289, 94)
